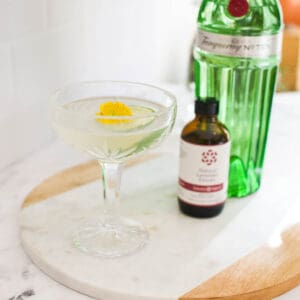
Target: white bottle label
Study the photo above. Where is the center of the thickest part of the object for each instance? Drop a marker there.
(203, 173)
(239, 46)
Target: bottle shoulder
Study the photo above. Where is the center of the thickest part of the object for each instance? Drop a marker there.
(205, 133)
(263, 17)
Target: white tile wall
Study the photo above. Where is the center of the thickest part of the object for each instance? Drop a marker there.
(6, 81)
(124, 40)
(41, 49)
(181, 27)
(46, 61)
(139, 40)
(45, 44)
(22, 132)
(59, 12)
(21, 17)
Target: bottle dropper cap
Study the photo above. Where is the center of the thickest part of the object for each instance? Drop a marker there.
(207, 106)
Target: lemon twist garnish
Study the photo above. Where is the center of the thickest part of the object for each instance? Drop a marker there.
(113, 109)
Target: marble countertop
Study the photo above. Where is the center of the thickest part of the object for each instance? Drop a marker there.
(21, 280)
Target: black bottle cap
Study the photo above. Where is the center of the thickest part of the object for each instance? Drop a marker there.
(207, 106)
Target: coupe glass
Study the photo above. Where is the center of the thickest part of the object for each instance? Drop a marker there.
(112, 140)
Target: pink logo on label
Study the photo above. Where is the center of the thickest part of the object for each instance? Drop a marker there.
(209, 157)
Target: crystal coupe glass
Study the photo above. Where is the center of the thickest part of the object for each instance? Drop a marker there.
(112, 139)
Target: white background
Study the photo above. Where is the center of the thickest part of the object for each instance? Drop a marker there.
(45, 44)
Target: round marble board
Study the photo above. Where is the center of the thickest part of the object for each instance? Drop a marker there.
(182, 252)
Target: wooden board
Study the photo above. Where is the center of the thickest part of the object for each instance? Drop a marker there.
(263, 274)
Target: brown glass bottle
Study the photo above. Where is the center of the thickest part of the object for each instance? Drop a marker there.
(204, 162)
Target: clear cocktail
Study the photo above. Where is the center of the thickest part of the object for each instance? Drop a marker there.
(112, 121)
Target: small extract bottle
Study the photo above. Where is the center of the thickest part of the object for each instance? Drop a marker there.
(204, 162)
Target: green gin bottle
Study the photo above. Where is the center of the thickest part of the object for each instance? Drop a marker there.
(236, 59)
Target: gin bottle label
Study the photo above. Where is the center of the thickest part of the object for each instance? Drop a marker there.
(239, 46)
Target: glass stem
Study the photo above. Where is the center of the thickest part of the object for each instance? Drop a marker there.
(111, 179)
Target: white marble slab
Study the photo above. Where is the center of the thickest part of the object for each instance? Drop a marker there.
(278, 194)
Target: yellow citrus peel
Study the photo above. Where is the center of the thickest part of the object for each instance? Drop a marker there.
(115, 109)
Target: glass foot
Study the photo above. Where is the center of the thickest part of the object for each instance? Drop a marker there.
(111, 237)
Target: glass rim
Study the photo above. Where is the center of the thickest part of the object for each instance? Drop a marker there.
(164, 110)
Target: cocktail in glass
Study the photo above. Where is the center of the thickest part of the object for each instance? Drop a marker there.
(112, 139)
